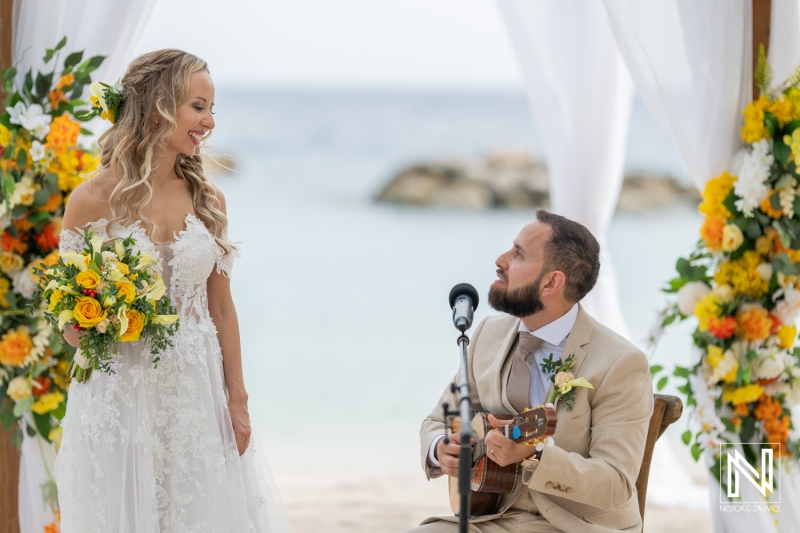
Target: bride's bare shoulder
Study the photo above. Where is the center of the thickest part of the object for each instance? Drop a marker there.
(89, 201)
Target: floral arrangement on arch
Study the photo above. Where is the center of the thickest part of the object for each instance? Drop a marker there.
(41, 162)
(742, 285)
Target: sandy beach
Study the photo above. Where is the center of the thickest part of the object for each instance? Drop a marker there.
(372, 486)
(394, 503)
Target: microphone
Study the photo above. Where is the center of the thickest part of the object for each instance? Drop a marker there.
(463, 300)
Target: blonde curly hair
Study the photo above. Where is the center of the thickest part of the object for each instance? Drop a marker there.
(153, 87)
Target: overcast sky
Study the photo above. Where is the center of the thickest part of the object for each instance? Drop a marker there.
(334, 43)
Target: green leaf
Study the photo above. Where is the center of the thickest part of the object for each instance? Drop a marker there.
(73, 59)
(23, 406)
(696, 451)
(783, 264)
(728, 425)
(753, 230)
(43, 424)
(655, 369)
(662, 383)
(771, 122)
(43, 83)
(22, 159)
(41, 197)
(775, 201)
(748, 428)
(686, 437)
(59, 411)
(781, 151)
(669, 320)
(730, 203)
(681, 372)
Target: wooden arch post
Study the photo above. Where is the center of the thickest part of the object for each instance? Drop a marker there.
(9, 455)
(762, 13)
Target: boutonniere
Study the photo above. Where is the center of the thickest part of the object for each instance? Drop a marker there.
(564, 381)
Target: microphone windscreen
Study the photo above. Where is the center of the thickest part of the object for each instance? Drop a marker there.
(464, 289)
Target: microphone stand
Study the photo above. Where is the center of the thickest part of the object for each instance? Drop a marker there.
(465, 454)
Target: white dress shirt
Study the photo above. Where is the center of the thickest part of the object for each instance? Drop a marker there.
(554, 338)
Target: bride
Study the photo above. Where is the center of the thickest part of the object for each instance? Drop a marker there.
(166, 449)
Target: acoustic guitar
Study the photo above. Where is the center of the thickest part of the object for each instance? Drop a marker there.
(489, 480)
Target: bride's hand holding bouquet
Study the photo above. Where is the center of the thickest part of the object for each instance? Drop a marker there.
(108, 293)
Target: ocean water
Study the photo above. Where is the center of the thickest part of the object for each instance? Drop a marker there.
(342, 302)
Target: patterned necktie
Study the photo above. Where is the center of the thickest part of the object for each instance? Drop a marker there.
(519, 382)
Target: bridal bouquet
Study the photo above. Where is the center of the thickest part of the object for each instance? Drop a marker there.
(110, 293)
(742, 285)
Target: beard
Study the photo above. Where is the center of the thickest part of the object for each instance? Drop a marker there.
(520, 302)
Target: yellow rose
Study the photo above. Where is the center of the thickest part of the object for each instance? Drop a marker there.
(732, 237)
(88, 279)
(47, 402)
(55, 297)
(562, 377)
(135, 326)
(126, 291)
(787, 334)
(88, 312)
(18, 388)
(10, 263)
(5, 136)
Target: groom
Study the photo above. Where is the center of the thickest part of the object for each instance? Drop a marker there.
(585, 482)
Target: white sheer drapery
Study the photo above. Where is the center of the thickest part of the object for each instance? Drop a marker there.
(691, 63)
(98, 27)
(581, 99)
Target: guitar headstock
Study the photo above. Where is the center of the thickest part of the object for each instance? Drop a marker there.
(533, 425)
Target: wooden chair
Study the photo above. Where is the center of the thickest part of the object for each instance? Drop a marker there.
(667, 410)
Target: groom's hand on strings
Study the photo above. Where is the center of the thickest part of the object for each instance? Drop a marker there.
(503, 450)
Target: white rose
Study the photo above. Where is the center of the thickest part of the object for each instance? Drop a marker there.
(102, 326)
(690, 295)
(18, 388)
(108, 256)
(769, 367)
(724, 292)
(562, 378)
(765, 271)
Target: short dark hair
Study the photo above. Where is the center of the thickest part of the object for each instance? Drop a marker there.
(573, 250)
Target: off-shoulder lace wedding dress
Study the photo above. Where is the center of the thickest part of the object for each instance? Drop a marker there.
(152, 450)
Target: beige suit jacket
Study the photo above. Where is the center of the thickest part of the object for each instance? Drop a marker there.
(585, 483)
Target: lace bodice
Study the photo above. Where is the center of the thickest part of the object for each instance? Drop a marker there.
(185, 264)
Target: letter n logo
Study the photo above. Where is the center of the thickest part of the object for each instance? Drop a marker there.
(738, 466)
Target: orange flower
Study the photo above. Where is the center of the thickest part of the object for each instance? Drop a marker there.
(48, 238)
(15, 347)
(754, 323)
(63, 134)
(722, 328)
(711, 232)
(40, 386)
(56, 97)
(742, 409)
(776, 324)
(766, 207)
(53, 203)
(65, 81)
(51, 528)
(22, 224)
(768, 408)
(12, 245)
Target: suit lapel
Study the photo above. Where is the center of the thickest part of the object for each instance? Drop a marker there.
(579, 336)
(502, 366)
